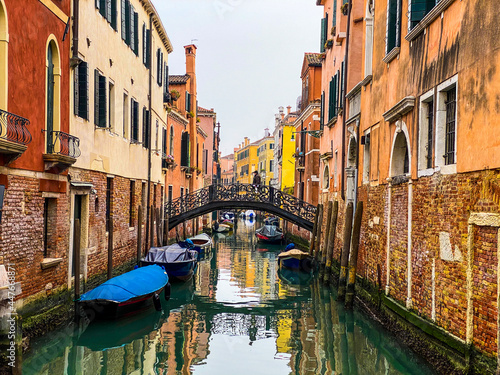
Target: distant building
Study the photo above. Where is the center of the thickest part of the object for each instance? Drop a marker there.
(227, 169)
(284, 140)
(265, 152)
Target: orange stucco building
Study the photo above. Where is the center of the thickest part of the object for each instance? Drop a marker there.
(418, 146)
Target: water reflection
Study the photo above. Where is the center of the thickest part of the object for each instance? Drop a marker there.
(238, 315)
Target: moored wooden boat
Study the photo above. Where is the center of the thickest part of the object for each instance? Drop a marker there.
(179, 262)
(269, 234)
(127, 293)
(295, 259)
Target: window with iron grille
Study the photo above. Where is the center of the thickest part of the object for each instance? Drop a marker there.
(449, 155)
(430, 132)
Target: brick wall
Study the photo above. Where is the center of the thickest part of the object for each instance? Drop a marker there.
(22, 236)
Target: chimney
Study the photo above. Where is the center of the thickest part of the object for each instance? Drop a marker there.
(247, 141)
(266, 132)
(190, 58)
(288, 109)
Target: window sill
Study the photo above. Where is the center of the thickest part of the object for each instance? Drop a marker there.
(332, 122)
(391, 55)
(50, 262)
(428, 19)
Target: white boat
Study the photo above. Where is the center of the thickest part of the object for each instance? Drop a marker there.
(201, 241)
(220, 228)
(249, 214)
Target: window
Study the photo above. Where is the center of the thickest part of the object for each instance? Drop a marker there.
(445, 126)
(146, 46)
(335, 168)
(111, 105)
(418, 10)
(334, 14)
(99, 99)
(131, 213)
(185, 150)
(49, 226)
(400, 162)
(166, 88)
(393, 31)
(81, 90)
(53, 89)
(109, 202)
(170, 193)
(366, 158)
(146, 141)
(326, 177)
(451, 108)
(271, 146)
(271, 166)
(130, 26)
(188, 102)
(125, 116)
(333, 97)
(321, 112)
(369, 37)
(157, 135)
(171, 152)
(159, 67)
(134, 121)
(324, 33)
(107, 8)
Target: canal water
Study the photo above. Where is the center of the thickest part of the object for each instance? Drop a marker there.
(239, 315)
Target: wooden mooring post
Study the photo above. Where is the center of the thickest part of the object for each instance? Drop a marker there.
(139, 234)
(110, 248)
(165, 231)
(315, 227)
(76, 265)
(318, 232)
(159, 239)
(324, 244)
(331, 243)
(151, 227)
(353, 264)
(344, 259)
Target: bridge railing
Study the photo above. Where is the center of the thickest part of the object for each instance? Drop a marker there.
(241, 193)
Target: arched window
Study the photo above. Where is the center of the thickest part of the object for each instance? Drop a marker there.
(171, 148)
(4, 38)
(326, 177)
(370, 10)
(52, 95)
(400, 163)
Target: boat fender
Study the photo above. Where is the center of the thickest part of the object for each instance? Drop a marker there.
(157, 302)
(290, 246)
(167, 291)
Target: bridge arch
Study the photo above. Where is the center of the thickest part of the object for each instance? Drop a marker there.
(240, 196)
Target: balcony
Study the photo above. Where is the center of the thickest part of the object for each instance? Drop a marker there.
(14, 136)
(62, 151)
(300, 163)
(167, 162)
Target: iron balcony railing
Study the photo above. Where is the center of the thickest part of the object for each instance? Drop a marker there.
(13, 128)
(62, 143)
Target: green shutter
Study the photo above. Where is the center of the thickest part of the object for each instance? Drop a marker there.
(341, 97)
(113, 14)
(108, 11)
(323, 31)
(132, 28)
(83, 90)
(102, 102)
(184, 149)
(392, 21)
(123, 18)
(322, 110)
(419, 9)
(148, 49)
(76, 89)
(96, 97)
(103, 8)
(144, 45)
(136, 33)
(334, 13)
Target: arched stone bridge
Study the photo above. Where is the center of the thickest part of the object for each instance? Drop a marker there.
(240, 196)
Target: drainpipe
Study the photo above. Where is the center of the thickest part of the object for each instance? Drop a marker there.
(346, 64)
(76, 11)
(148, 214)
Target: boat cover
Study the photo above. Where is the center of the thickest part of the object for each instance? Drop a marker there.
(294, 253)
(169, 254)
(269, 231)
(138, 282)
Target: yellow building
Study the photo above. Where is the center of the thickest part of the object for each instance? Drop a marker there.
(265, 152)
(246, 161)
(284, 139)
(119, 80)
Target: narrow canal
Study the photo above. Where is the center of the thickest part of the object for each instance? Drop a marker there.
(239, 315)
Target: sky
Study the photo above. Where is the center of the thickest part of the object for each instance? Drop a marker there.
(249, 57)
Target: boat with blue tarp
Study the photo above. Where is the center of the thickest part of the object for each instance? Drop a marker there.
(127, 293)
